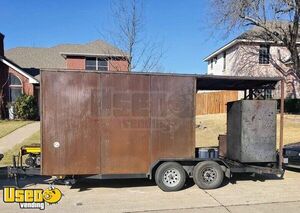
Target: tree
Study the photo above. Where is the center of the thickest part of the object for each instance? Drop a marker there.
(3, 85)
(128, 33)
(276, 20)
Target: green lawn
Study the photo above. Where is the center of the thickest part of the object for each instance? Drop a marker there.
(7, 126)
(7, 160)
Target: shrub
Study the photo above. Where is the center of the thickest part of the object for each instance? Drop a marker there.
(292, 105)
(26, 108)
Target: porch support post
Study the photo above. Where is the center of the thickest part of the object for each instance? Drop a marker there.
(281, 124)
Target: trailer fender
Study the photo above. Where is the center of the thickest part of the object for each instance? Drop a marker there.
(188, 168)
(226, 171)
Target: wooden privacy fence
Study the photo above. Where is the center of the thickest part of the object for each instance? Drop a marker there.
(214, 102)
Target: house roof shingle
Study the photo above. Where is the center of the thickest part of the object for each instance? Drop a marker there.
(255, 34)
(31, 58)
(258, 33)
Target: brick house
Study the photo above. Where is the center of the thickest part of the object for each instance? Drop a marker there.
(20, 67)
(255, 54)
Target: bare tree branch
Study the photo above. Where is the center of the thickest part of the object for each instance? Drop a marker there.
(129, 34)
(277, 21)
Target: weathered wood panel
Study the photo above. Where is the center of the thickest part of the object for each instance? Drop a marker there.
(214, 102)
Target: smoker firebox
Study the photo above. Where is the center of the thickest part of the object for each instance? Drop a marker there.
(251, 131)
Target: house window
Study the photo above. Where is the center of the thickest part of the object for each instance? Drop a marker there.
(90, 63)
(224, 61)
(100, 64)
(264, 54)
(211, 64)
(15, 88)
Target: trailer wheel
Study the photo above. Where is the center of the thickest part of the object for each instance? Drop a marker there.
(170, 176)
(208, 175)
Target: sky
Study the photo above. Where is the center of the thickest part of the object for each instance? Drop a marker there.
(182, 27)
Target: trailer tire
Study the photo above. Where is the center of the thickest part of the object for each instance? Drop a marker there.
(170, 176)
(208, 175)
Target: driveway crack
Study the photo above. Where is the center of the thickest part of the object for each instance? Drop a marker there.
(217, 201)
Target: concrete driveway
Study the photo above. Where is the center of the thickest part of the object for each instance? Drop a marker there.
(243, 194)
(18, 136)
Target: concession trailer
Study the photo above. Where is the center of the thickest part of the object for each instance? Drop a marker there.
(142, 125)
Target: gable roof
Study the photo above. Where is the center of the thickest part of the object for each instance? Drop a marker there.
(229, 45)
(53, 57)
(18, 69)
(255, 34)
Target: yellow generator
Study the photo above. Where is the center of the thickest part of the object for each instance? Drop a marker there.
(27, 162)
(30, 155)
(34, 155)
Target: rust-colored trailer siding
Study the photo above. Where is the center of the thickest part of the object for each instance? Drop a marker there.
(125, 117)
(67, 119)
(172, 117)
(114, 123)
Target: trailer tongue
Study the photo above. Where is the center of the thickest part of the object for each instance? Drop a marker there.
(133, 125)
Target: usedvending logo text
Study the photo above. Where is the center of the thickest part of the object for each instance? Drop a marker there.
(31, 198)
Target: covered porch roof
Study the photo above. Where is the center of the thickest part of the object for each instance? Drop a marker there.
(216, 82)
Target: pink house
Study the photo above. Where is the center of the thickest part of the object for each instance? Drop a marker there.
(252, 55)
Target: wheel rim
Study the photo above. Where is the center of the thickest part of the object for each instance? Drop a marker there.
(209, 175)
(171, 177)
